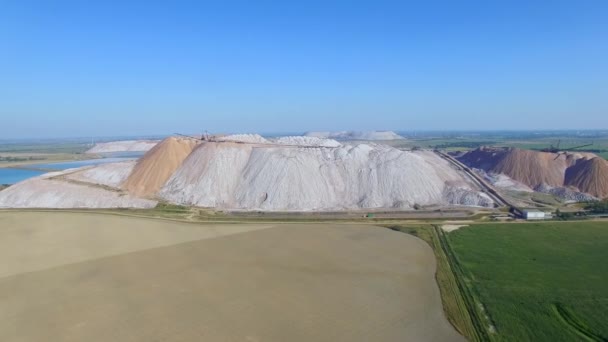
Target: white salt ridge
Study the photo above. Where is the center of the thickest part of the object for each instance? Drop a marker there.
(110, 174)
(246, 138)
(306, 141)
(503, 181)
(42, 192)
(466, 196)
(123, 146)
(246, 177)
(354, 135)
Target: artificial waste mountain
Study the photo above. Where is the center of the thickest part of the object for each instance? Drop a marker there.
(585, 172)
(249, 172)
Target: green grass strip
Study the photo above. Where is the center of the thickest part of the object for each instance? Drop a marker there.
(576, 325)
(481, 332)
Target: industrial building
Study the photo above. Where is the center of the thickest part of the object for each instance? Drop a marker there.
(533, 214)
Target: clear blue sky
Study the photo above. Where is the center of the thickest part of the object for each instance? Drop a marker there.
(80, 68)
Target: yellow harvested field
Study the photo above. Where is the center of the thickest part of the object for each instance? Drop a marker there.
(92, 277)
(43, 240)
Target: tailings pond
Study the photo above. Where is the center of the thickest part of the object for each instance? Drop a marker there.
(14, 175)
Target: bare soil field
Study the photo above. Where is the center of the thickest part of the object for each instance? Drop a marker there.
(92, 277)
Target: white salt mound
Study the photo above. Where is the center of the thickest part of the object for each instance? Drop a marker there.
(354, 135)
(110, 174)
(236, 176)
(123, 146)
(43, 192)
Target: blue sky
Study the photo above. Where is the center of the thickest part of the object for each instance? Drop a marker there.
(85, 68)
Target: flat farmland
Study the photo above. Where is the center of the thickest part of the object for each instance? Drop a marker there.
(537, 281)
(93, 277)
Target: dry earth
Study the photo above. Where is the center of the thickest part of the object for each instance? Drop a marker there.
(452, 227)
(91, 277)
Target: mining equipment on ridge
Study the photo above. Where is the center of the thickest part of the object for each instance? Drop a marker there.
(217, 138)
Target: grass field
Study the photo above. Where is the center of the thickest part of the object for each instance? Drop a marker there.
(537, 282)
(45, 147)
(465, 143)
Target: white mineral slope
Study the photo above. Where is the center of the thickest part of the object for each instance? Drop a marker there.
(306, 141)
(123, 146)
(209, 175)
(249, 177)
(354, 135)
(246, 138)
(110, 174)
(503, 181)
(43, 192)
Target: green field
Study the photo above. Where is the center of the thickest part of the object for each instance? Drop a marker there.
(537, 281)
(49, 147)
(525, 141)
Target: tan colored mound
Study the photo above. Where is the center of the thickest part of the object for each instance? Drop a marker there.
(157, 165)
(590, 176)
(584, 171)
(532, 168)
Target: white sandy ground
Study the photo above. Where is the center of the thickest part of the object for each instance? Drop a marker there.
(123, 146)
(354, 135)
(82, 277)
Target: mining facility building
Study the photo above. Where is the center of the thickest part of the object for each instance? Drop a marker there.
(532, 214)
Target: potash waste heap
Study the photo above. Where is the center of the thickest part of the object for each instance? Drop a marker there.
(249, 172)
(580, 171)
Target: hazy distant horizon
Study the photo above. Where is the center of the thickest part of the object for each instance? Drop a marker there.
(407, 134)
(548, 132)
(133, 68)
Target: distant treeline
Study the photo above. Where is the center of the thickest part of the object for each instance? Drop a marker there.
(465, 144)
(598, 207)
(19, 159)
(592, 150)
(580, 150)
